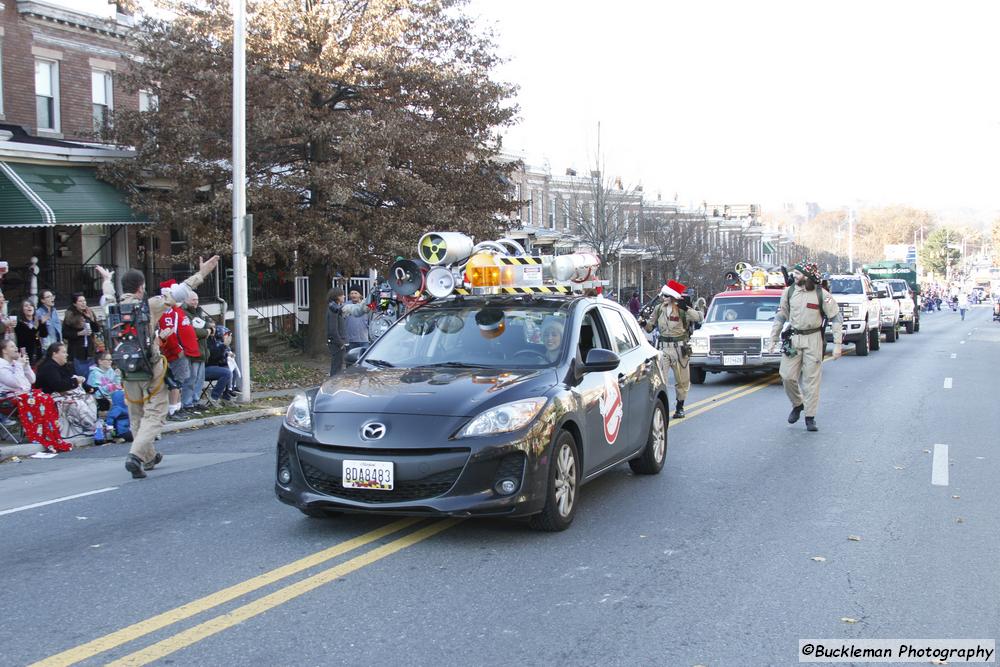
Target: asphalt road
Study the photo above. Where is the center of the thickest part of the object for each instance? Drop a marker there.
(711, 562)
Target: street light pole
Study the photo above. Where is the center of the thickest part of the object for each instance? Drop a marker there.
(240, 305)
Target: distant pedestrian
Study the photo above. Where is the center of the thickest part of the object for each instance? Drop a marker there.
(634, 305)
(204, 327)
(963, 303)
(336, 329)
(672, 319)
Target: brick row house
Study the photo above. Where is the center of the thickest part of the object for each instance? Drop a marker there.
(58, 82)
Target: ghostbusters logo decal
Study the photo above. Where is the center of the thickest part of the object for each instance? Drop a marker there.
(611, 408)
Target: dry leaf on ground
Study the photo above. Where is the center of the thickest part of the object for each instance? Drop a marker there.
(854, 538)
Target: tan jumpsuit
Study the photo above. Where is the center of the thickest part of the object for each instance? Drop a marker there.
(668, 320)
(802, 310)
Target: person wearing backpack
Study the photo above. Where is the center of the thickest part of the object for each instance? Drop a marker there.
(145, 393)
(806, 307)
(672, 317)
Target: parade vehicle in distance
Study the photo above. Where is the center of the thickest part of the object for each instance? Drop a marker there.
(860, 310)
(890, 310)
(905, 271)
(735, 336)
(500, 397)
(909, 313)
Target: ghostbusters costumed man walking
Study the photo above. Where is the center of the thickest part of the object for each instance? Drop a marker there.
(804, 306)
(671, 317)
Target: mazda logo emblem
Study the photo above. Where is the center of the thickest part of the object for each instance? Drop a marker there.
(373, 431)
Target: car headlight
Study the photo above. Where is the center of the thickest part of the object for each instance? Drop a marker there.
(503, 418)
(299, 414)
(699, 344)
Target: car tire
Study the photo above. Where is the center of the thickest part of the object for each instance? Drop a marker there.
(564, 473)
(909, 327)
(874, 339)
(318, 512)
(650, 462)
(916, 326)
(698, 375)
(861, 346)
(891, 334)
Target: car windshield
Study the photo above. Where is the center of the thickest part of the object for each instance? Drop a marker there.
(733, 309)
(898, 287)
(474, 335)
(846, 286)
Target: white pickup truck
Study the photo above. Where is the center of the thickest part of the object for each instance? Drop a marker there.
(860, 309)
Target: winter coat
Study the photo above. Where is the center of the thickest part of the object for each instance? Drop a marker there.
(199, 317)
(30, 337)
(336, 325)
(118, 414)
(80, 347)
(53, 378)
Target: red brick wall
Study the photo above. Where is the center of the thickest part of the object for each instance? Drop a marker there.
(18, 76)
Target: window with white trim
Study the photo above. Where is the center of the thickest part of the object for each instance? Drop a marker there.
(102, 97)
(531, 208)
(148, 101)
(552, 212)
(47, 94)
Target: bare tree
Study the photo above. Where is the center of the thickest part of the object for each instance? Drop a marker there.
(612, 218)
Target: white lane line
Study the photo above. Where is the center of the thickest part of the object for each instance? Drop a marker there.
(57, 500)
(947, 383)
(953, 355)
(939, 470)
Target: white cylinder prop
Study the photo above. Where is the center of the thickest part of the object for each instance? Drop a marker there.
(440, 282)
(444, 247)
(577, 267)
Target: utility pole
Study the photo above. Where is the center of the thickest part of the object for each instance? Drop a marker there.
(240, 305)
(850, 241)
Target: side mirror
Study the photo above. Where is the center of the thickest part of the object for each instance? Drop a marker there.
(882, 294)
(354, 354)
(599, 360)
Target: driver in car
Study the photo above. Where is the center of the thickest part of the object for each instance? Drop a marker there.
(552, 335)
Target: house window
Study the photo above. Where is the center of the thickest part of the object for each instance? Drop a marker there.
(552, 213)
(531, 208)
(148, 101)
(47, 94)
(101, 96)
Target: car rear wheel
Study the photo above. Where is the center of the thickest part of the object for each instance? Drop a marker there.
(698, 375)
(650, 462)
(564, 483)
(909, 327)
(916, 325)
(892, 334)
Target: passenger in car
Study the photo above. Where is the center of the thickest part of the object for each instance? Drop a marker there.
(552, 335)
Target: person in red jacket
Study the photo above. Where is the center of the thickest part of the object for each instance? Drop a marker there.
(178, 342)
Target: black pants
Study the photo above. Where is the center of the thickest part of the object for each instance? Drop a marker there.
(336, 359)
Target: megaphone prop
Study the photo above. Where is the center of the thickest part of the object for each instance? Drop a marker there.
(444, 247)
(407, 277)
(440, 282)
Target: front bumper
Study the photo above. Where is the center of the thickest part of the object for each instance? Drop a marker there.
(853, 330)
(715, 363)
(455, 478)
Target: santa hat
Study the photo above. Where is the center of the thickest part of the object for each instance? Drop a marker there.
(177, 291)
(673, 289)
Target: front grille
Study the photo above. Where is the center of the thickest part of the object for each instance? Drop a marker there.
(418, 489)
(733, 345)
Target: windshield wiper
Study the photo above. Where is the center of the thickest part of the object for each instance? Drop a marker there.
(380, 363)
(454, 364)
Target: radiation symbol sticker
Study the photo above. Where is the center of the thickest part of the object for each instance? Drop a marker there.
(611, 408)
(433, 248)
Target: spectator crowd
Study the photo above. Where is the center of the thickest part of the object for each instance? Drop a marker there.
(59, 383)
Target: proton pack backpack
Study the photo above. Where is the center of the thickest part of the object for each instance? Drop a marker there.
(128, 339)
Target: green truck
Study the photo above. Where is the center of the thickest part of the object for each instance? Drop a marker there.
(894, 272)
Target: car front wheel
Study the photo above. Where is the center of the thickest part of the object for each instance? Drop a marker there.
(563, 486)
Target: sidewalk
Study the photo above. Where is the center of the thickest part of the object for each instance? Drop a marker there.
(8, 450)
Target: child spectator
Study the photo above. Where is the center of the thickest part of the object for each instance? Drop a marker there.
(104, 381)
(117, 417)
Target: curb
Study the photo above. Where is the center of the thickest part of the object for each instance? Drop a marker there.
(27, 449)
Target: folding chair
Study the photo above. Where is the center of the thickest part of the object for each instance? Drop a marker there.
(8, 410)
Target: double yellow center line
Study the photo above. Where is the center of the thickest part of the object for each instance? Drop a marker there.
(219, 623)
